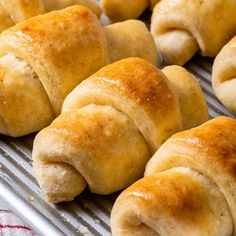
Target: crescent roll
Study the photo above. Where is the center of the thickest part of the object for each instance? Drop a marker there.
(189, 186)
(15, 11)
(224, 75)
(110, 126)
(44, 58)
(182, 28)
(121, 43)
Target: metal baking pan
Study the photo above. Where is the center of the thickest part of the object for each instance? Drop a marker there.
(89, 213)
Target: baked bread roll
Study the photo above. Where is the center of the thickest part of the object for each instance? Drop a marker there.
(110, 126)
(189, 187)
(224, 75)
(182, 28)
(14, 11)
(41, 61)
(44, 58)
(119, 10)
(188, 91)
(122, 43)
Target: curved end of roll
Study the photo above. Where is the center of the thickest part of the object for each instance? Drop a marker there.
(123, 44)
(18, 125)
(225, 92)
(191, 99)
(178, 201)
(224, 75)
(123, 10)
(24, 104)
(60, 182)
(177, 46)
(101, 146)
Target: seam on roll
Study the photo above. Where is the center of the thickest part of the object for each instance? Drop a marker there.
(151, 149)
(49, 162)
(103, 104)
(222, 79)
(38, 77)
(31, 75)
(190, 33)
(18, 54)
(199, 172)
(170, 28)
(142, 223)
(48, 75)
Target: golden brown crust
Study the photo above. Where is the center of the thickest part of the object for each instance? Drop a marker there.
(216, 140)
(137, 88)
(157, 190)
(175, 202)
(24, 104)
(54, 58)
(210, 149)
(57, 48)
(15, 11)
(192, 21)
(127, 76)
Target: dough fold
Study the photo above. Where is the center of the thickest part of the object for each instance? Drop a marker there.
(183, 27)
